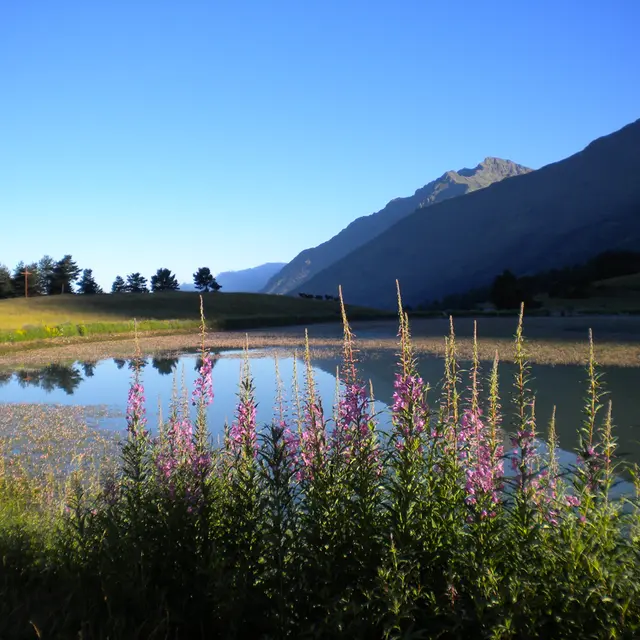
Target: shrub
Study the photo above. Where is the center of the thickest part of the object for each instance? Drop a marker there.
(325, 527)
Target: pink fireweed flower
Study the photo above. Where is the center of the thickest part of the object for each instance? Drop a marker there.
(572, 501)
(312, 440)
(203, 390)
(483, 468)
(135, 415)
(410, 411)
(177, 450)
(243, 429)
(353, 434)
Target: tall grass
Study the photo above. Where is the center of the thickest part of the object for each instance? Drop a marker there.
(319, 525)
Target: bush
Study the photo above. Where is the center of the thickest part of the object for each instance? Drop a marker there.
(297, 529)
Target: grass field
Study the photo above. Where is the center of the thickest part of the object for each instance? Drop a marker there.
(44, 317)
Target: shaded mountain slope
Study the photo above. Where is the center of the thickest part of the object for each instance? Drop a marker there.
(364, 229)
(561, 214)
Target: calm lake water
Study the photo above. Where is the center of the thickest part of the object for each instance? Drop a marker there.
(107, 382)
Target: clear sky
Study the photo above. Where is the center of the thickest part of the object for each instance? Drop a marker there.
(143, 134)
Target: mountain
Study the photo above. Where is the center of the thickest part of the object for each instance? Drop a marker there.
(248, 280)
(556, 216)
(361, 230)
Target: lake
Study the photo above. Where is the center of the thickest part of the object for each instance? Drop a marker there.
(106, 383)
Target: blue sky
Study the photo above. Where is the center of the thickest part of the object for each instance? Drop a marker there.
(143, 134)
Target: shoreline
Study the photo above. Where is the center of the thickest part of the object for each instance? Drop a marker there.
(550, 341)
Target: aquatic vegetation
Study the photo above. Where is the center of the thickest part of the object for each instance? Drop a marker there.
(458, 522)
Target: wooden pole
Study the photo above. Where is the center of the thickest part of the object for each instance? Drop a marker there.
(26, 273)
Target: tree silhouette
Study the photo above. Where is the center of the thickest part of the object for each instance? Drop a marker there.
(508, 292)
(136, 283)
(45, 277)
(164, 280)
(65, 273)
(6, 285)
(87, 285)
(118, 285)
(18, 279)
(204, 281)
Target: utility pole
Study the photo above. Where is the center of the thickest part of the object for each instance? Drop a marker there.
(26, 273)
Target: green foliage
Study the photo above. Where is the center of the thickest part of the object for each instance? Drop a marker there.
(301, 529)
(70, 330)
(164, 280)
(19, 280)
(65, 273)
(136, 283)
(118, 285)
(87, 284)
(6, 285)
(204, 281)
(46, 272)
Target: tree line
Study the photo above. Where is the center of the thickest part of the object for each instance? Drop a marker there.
(55, 277)
(508, 290)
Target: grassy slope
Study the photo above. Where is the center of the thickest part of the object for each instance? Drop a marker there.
(614, 295)
(221, 309)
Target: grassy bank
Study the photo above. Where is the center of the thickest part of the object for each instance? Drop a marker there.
(63, 317)
(455, 524)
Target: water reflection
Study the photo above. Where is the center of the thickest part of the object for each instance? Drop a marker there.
(164, 366)
(89, 369)
(106, 382)
(55, 376)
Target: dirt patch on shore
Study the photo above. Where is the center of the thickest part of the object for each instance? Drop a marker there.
(550, 341)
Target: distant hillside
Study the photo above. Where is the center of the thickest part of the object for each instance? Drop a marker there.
(248, 280)
(559, 215)
(364, 229)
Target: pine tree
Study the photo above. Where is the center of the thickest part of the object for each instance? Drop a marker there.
(65, 273)
(118, 285)
(164, 280)
(204, 280)
(136, 283)
(46, 270)
(87, 284)
(6, 285)
(18, 279)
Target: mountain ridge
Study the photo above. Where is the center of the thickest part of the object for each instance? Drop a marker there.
(552, 217)
(363, 229)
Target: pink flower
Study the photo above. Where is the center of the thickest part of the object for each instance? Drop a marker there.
(243, 429)
(203, 391)
(135, 415)
(410, 412)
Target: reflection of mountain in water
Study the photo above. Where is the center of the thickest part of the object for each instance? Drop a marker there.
(562, 386)
(55, 376)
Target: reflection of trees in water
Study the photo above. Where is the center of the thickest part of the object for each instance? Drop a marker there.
(5, 377)
(214, 360)
(164, 365)
(141, 363)
(137, 363)
(55, 376)
(88, 368)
